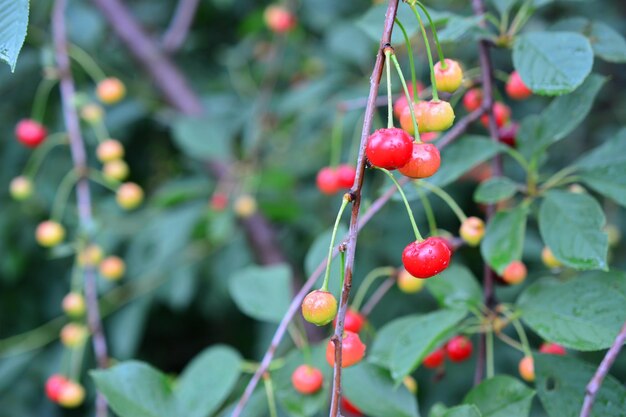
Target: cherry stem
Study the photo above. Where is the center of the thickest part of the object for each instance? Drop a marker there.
(428, 52)
(101, 131)
(409, 101)
(38, 156)
(513, 343)
(373, 275)
(521, 333)
(76, 360)
(344, 202)
(489, 354)
(442, 59)
(418, 236)
(439, 192)
(409, 51)
(342, 265)
(41, 99)
(428, 209)
(98, 178)
(336, 140)
(87, 63)
(389, 98)
(62, 195)
(269, 392)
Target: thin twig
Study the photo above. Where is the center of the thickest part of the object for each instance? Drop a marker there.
(377, 296)
(596, 382)
(176, 33)
(83, 195)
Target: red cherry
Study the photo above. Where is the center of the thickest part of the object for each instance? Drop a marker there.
(507, 134)
(436, 116)
(552, 349)
(425, 161)
(54, 386)
(515, 87)
(449, 78)
(307, 379)
(445, 241)
(514, 273)
(345, 175)
(434, 359)
(349, 407)
(527, 368)
(352, 350)
(389, 148)
(353, 322)
(30, 133)
(319, 307)
(327, 181)
(501, 112)
(459, 348)
(219, 201)
(401, 102)
(473, 99)
(426, 258)
(279, 19)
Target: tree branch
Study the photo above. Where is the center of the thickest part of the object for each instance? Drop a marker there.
(175, 35)
(83, 194)
(596, 382)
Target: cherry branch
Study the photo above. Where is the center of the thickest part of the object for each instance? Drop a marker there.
(596, 382)
(176, 33)
(83, 194)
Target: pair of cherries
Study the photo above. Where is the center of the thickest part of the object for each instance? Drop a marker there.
(458, 349)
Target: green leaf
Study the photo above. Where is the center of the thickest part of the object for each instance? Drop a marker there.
(503, 6)
(584, 313)
(571, 226)
(372, 389)
(606, 42)
(463, 411)
(501, 396)
(552, 63)
(459, 28)
(438, 410)
(263, 293)
(135, 389)
(419, 337)
(13, 27)
(380, 351)
(604, 168)
(494, 190)
(456, 287)
(504, 238)
(560, 118)
(561, 383)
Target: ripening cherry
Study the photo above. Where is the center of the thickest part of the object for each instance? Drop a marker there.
(307, 379)
(319, 307)
(115, 170)
(278, 19)
(472, 231)
(515, 87)
(406, 120)
(410, 383)
(549, 259)
(448, 79)
(54, 386)
(112, 268)
(426, 258)
(73, 304)
(436, 116)
(473, 99)
(352, 350)
(129, 195)
(327, 181)
(245, 206)
(347, 406)
(219, 201)
(434, 359)
(345, 176)
(401, 103)
(389, 148)
(110, 150)
(30, 133)
(408, 283)
(425, 161)
(459, 348)
(514, 273)
(552, 349)
(92, 255)
(21, 188)
(73, 335)
(508, 134)
(353, 321)
(429, 136)
(501, 112)
(110, 90)
(92, 113)
(72, 395)
(527, 368)
(49, 233)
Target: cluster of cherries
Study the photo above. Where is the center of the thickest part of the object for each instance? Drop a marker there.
(526, 365)
(331, 180)
(458, 349)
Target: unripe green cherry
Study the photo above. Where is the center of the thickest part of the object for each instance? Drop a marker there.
(549, 259)
(472, 231)
(73, 335)
(115, 170)
(450, 78)
(49, 233)
(245, 206)
(92, 113)
(408, 283)
(129, 195)
(90, 256)
(73, 304)
(437, 116)
(110, 150)
(319, 307)
(21, 188)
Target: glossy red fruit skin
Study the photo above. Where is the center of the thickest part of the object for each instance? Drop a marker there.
(307, 379)
(473, 99)
(30, 133)
(279, 19)
(507, 134)
(353, 322)
(426, 258)
(434, 359)
(345, 175)
(327, 181)
(319, 307)
(219, 201)
(515, 87)
(349, 407)
(389, 148)
(54, 386)
(552, 349)
(425, 161)
(352, 350)
(501, 112)
(459, 348)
